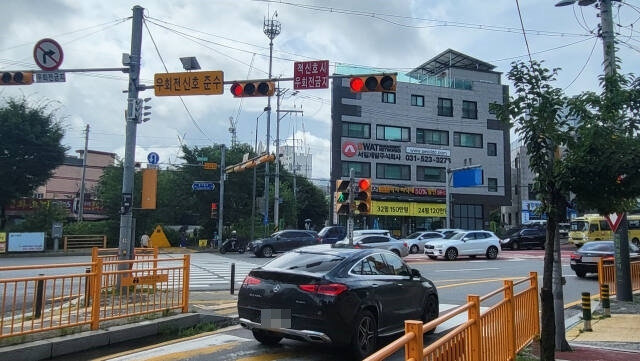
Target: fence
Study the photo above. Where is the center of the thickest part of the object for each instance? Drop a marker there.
(58, 296)
(84, 241)
(607, 275)
(497, 334)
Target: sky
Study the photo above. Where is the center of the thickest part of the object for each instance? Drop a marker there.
(227, 35)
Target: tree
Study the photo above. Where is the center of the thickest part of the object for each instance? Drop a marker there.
(537, 113)
(31, 149)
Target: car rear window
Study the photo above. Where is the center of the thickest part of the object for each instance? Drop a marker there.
(598, 247)
(306, 262)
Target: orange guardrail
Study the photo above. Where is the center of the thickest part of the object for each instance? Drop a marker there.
(513, 321)
(57, 296)
(607, 275)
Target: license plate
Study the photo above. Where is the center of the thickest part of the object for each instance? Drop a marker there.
(590, 259)
(275, 318)
(573, 262)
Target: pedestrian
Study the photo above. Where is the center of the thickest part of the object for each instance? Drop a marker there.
(144, 240)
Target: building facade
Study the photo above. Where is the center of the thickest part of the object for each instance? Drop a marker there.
(295, 161)
(412, 141)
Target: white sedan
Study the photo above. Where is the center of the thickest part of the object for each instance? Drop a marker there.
(416, 240)
(468, 243)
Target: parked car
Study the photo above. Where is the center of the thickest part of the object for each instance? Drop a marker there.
(449, 231)
(399, 247)
(563, 229)
(342, 296)
(467, 243)
(362, 232)
(332, 234)
(416, 240)
(517, 238)
(282, 241)
(585, 259)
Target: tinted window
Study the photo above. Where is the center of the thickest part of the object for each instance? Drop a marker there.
(414, 235)
(396, 265)
(432, 235)
(369, 239)
(307, 262)
(372, 265)
(597, 246)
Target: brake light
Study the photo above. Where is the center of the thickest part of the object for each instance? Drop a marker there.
(608, 258)
(332, 289)
(406, 244)
(251, 281)
(576, 256)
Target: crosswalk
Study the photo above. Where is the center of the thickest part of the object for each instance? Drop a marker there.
(212, 272)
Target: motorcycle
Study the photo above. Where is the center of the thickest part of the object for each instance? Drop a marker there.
(232, 245)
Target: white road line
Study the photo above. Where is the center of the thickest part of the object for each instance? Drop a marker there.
(466, 269)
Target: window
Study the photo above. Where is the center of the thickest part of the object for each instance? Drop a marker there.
(469, 109)
(431, 136)
(389, 98)
(467, 140)
(360, 169)
(445, 107)
(399, 134)
(372, 265)
(356, 130)
(393, 171)
(431, 174)
(492, 149)
(396, 266)
(417, 100)
(467, 216)
(493, 184)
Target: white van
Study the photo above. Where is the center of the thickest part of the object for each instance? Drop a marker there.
(362, 232)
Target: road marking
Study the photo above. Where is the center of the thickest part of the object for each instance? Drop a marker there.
(475, 282)
(467, 269)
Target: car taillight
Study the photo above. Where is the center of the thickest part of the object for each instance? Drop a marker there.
(608, 258)
(332, 289)
(406, 244)
(251, 281)
(576, 256)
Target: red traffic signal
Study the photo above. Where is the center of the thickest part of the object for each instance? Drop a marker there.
(373, 83)
(253, 89)
(364, 196)
(16, 78)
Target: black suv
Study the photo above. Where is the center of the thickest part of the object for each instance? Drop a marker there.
(332, 234)
(282, 241)
(524, 238)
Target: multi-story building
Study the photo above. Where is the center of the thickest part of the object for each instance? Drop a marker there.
(411, 141)
(295, 161)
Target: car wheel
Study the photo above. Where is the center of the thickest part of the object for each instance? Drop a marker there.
(223, 250)
(451, 254)
(414, 249)
(636, 242)
(433, 257)
(267, 251)
(492, 252)
(515, 245)
(365, 335)
(431, 311)
(581, 274)
(266, 337)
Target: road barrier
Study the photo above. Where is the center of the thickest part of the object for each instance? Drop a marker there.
(495, 335)
(83, 295)
(607, 275)
(86, 241)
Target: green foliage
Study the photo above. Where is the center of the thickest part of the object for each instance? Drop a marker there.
(31, 149)
(42, 219)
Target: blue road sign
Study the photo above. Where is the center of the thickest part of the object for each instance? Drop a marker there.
(202, 186)
(153, 158)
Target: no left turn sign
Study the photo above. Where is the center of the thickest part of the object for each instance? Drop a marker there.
(48, 54)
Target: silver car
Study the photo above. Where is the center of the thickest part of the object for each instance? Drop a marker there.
(416, 240)
(397, 246)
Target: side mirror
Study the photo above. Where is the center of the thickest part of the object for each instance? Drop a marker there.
(415, 273)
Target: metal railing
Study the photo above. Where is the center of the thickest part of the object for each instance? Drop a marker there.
(607, 275)
(496, 334)
(58, 296)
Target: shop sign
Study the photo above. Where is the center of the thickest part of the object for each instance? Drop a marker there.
(411, 209)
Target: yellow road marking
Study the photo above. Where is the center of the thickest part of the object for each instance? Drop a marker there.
(176, 356)
(268, 357)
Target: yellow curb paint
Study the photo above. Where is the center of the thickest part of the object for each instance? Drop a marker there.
(267, 357)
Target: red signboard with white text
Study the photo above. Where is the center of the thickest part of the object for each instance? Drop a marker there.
(311, 75)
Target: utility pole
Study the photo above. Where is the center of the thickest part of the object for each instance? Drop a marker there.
(271, 29)
(221, 205)
(125, 243)
(276, 202)
(84, 175)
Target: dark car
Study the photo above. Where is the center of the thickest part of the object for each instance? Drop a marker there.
(332, 234)
(282, 241)
(328, 294)
(524, 238)
(585, 259)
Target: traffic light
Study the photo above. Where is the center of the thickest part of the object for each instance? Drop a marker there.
(342, 196)
(373, 83)
(253, 89)
(363, 198)
(214, 210)
(16, 78)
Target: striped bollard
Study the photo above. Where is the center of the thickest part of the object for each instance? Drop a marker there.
(586, 311)
(606, 304)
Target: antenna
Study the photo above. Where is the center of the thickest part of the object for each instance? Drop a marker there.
(232, 130)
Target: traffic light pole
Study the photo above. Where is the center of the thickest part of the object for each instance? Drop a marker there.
(126, 241)
(221, 205)
(352, 189)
